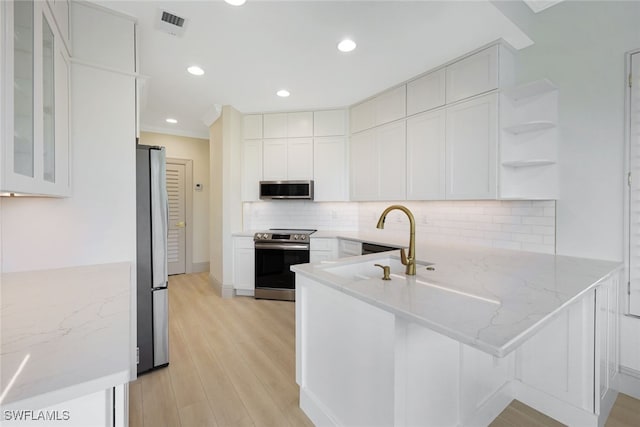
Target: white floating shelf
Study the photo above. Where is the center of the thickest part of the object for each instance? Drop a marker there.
(529, 127)
(528, 90)
(528, 163)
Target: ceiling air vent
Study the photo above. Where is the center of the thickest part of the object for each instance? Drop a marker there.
(170, 23)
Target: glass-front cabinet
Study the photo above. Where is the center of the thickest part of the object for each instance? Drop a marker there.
(35, 102)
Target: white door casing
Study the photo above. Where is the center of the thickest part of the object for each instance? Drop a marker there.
(634, 185)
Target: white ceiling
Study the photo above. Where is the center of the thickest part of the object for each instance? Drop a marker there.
(250, 52)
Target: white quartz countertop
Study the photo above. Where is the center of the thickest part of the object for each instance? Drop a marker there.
(491, 299)
(65, 333)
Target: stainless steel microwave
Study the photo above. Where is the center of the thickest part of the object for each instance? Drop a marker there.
(297, 190)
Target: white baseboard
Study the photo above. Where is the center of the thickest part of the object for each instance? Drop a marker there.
(225, 291)
(315, 410)
(245, 293)
(200, 267)
(490, 409)
(606, 405)
(629, 382)
(553, 407)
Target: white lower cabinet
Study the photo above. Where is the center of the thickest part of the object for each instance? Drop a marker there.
(366, 366)
(243, 266)
(378, 162)
(471, 146)
(105, 408)
(323, 249)
(426, 156)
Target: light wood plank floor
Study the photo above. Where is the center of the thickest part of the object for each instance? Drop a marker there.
(232, 363)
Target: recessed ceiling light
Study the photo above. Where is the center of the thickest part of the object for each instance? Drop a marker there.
(195, 70)
(283, 93)
(172, 121)
(346, 45)
(236, 2)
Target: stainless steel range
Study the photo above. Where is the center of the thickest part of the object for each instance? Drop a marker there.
(276, 250)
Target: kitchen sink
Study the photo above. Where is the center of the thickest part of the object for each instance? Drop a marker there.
(366, 270)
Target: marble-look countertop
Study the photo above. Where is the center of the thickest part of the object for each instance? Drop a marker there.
(500, 297)
(69, 328)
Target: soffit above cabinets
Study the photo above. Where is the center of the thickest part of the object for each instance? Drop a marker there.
(250, 52)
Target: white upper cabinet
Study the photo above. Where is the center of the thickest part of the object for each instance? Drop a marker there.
(107, 42)
(364, 166)
(391, 105)
(252, 126)
(251, 169)
(384, 108)
(479, 73)
(471, 149)
(329, 123)
(363, 116)
(292, 125)
(275, 125)
(377, 163)
(36, 87)
(288, 159)
(299, 124)
(426, 156)
(426, 92)
(392, 157)
(329, 168)
(300, 158)
(274, 159)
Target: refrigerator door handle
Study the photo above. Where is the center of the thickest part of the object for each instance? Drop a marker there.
(159, 217)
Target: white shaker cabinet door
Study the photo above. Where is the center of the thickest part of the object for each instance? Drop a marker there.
(471, 143)
(251, 169)
(274, 125)
(274, 161)
(299, 124)
(329, 169)
(473, 75)
(329, 123)
(252, 126)
(392, 181)
(300, 158)
(426, 156)
(363, 116)
(364, 166)
(426, 92)
(391, 105)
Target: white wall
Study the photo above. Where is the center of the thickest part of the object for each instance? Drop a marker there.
(581, 47)
(97, 223)
(197, 150)
(225, 204)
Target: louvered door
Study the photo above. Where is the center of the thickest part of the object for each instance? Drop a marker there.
(176, 247)
(634, 196)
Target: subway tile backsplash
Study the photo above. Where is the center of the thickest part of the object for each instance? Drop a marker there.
(519, 225)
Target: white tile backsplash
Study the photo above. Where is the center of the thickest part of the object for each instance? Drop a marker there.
(519, 225)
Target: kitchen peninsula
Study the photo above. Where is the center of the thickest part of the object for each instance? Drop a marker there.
(456, 343)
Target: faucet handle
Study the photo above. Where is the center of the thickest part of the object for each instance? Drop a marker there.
(386, 271)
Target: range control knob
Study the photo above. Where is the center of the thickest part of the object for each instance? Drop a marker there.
(303, 237)
(295, 237)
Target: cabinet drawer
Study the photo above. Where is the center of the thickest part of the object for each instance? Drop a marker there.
(320, 244)
(243, 242)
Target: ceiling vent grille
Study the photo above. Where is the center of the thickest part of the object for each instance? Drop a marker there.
(170, 23)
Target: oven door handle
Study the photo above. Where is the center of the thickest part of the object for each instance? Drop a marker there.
(281, 246)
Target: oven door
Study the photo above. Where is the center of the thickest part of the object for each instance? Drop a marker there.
(274, 279)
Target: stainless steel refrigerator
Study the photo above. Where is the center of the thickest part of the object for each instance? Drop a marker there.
(152, 230)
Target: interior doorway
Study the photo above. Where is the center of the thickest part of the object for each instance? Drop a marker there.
(179, 241)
